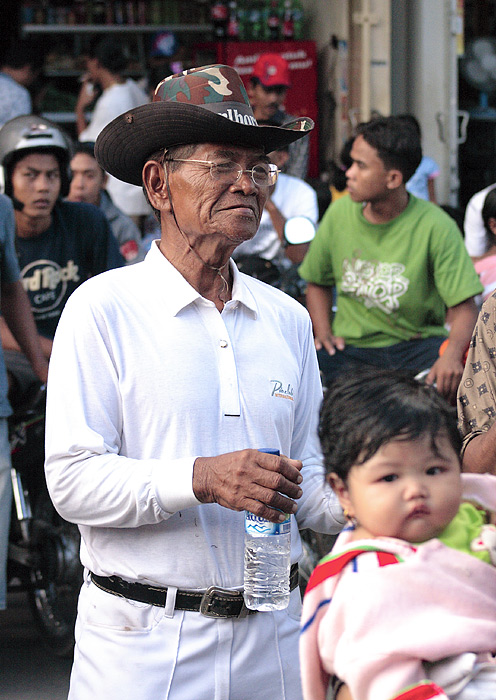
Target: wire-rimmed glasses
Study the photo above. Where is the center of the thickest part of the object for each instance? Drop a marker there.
(229, 172)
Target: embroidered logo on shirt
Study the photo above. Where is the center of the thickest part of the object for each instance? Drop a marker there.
(379, 285)
(281, 391)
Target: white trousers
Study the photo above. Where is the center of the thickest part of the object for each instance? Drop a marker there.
(132, 651)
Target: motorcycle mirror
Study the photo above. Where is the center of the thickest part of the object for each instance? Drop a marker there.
(299, 229)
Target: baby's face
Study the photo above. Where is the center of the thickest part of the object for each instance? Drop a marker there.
(406, 490)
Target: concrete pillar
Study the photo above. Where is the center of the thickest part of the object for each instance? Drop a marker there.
(425, 81)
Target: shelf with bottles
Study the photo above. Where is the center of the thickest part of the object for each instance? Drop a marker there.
(124, 13)
(64, 64)
(109, 28)
(65, 44)
(257, 20)
(64, 55)
(68, 27)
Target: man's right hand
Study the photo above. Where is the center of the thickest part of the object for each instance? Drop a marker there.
(262, 483)
(330, 342)
(319, 303)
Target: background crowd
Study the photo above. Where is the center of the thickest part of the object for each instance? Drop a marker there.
(391, 282)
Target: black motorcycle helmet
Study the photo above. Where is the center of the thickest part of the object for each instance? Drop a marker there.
(32, 134)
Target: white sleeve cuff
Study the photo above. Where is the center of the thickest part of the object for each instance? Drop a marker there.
(173, 484)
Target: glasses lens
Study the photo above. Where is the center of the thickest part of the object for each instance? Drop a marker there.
(265, 175)
(273, 174)
(260, 174)
(225, 172)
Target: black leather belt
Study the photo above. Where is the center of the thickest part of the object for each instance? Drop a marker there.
(214, 602)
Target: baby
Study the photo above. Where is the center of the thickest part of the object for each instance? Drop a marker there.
(405, 603)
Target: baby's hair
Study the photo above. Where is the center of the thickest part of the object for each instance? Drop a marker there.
(363, 411)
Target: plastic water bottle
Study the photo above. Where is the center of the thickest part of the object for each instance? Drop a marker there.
(267, 561)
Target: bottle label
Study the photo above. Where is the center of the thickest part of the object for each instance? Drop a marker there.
(260, 527)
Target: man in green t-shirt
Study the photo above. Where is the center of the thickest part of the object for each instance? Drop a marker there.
(398, 265)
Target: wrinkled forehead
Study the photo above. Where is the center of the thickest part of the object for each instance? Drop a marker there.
(232, 152)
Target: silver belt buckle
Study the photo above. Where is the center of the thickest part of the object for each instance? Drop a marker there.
(216, 592)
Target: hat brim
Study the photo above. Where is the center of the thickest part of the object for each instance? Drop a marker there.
(124, 145)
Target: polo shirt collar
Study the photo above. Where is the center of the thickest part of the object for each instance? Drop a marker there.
(177, 291)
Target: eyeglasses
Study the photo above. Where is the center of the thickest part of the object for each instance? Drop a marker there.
(229, 172)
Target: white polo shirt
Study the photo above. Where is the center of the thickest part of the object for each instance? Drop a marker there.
(145, 376)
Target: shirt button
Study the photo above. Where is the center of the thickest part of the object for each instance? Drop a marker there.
(223, 343)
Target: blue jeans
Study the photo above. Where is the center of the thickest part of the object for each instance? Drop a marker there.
(5, 503)
(409, 355)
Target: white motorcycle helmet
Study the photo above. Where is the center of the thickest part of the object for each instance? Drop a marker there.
(30, 133)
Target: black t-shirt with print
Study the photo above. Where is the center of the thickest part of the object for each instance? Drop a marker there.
(77, 245)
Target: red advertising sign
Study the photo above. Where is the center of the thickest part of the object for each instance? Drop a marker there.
(301, 99)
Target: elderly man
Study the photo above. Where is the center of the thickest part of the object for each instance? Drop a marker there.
(166, 377)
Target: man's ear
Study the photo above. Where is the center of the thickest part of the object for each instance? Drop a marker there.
(394, 179)
(155, 182)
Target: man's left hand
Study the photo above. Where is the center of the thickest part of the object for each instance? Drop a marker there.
(265, 484)
(446, 373)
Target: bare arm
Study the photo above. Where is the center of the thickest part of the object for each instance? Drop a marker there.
(85, 98)
(319, 303)
(295, 253)
(18, 319)
(476, 396)
(262, 483)
(448, 369)
(431, 188)
(10, 343)
(480, 453)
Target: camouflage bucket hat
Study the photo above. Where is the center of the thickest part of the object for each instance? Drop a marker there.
(200, 105)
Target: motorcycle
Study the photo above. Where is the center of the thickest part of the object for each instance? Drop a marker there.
(43, 553)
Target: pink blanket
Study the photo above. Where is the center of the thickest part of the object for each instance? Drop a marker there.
(373, 624)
